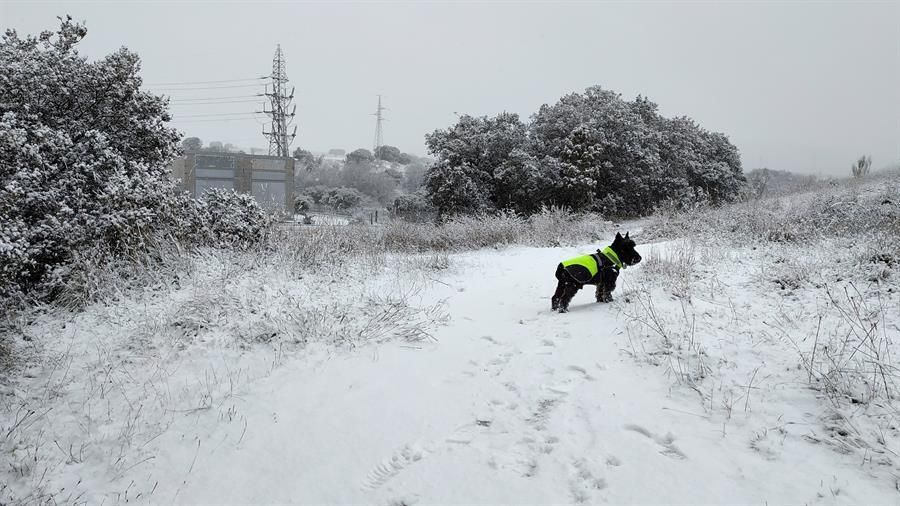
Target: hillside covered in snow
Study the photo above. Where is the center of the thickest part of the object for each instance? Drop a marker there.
(730, 368)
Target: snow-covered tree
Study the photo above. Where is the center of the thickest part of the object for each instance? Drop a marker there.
(82, 153)
(83, 156)
(704, 161)
(413, 207)
(192, 144)
(360, 155)
(469, 155)
(456, 190)
(591, 150)
(306, 161)
(607, 149)
(361, 176)
(388, 154)
(414, 176)
(342, 198)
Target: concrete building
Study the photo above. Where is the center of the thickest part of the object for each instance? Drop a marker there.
(270, 179)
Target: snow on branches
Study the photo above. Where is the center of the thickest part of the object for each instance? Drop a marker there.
(83, 155)
(591, 151)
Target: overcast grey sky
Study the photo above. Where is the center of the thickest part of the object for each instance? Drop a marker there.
(802, 86)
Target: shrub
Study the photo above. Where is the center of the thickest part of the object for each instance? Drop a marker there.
(359, 175)
(861, 167)
(342, 198)
(306, 161)
(414, 177)
(414, 207)
(226, 218)
(303, 203)
(388, 154)
(317, 193)
(360, 155)
(83, 156)
(362, 177)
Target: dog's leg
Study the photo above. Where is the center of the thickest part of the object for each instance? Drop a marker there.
(557, 295)
(603, 293)
(568, 292)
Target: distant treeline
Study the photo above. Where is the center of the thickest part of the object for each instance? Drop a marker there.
(764, 182)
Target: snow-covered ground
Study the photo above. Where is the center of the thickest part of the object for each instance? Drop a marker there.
(323, 219)
(682, 391)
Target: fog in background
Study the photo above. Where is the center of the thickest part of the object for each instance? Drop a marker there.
(805, 86)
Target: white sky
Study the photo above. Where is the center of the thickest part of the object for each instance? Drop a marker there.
(802, 86)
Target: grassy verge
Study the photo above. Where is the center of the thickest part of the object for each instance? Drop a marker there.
(761, 298)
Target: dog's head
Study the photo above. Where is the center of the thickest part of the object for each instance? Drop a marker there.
(624, 248)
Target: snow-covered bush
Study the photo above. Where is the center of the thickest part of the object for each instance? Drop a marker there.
(413, 207)
(387, 153)
(83, 155)
(360, 155)
(226, 218)
(342, 198)
(363, 177)
(316, 193)
(302, 203)
(591, 151)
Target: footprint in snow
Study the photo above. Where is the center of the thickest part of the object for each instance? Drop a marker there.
(403, 501)
(490, 339)
(391, 466)
(583, 482)
(582, 371)
(573, 375)
(542, 412)
(666, 443)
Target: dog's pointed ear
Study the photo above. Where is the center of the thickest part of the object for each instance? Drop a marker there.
(618, 236)
(626, 234)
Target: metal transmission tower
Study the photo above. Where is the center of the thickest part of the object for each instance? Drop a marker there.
(379, 141)
(279, 104)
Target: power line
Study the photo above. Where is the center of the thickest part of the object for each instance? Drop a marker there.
(207, 120)
(209, 87)
(205, 99)
(208, 82)
(220, 102)
(217, 114)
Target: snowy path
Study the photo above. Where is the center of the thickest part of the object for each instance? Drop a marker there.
(513, 404)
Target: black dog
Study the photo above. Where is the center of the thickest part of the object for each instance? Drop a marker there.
(600, 268)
